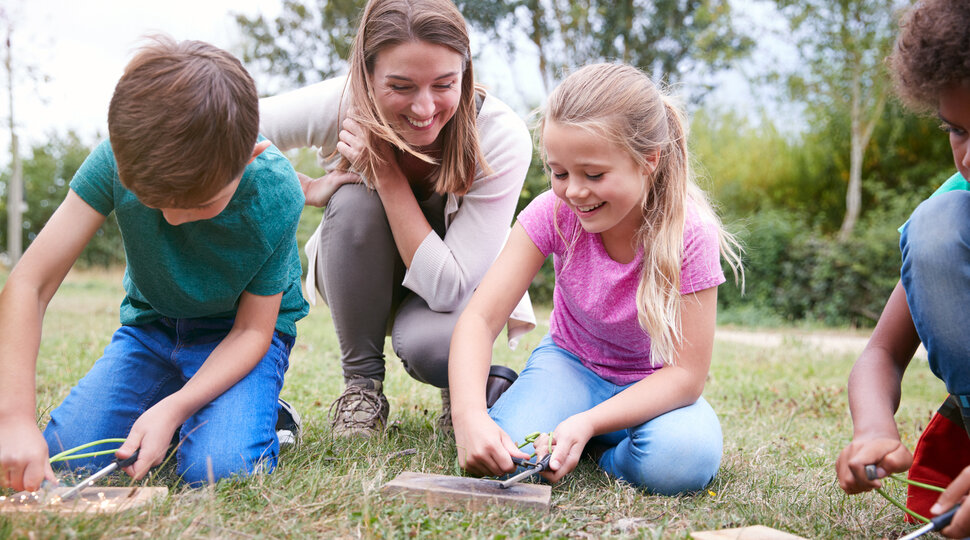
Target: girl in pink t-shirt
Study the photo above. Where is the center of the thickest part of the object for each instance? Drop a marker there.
(636, 250)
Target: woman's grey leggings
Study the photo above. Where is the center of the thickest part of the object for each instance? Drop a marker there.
(359, 274)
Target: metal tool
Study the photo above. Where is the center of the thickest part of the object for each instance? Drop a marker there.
(532, 468)
(871, 472)
(116, 464)
(935, 524)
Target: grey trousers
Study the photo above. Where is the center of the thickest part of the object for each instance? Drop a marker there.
(359, 274)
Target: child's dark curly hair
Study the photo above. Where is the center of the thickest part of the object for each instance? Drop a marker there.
(932, 51)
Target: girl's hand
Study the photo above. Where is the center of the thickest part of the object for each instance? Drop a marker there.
(318, 191)
(152, 433)
(568, 441)
(956, 492)
(483, 448)
(23, 456)
(887, 453)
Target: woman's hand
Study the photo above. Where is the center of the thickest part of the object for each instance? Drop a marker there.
(318, 191)
(568, 441)
(483, 448)
(352, 146)
(888, 454)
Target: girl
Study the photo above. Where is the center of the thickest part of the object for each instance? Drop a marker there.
(443, 162)
(931, 72)
(636, 252)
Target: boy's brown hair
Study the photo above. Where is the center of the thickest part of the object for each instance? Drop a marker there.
(183, 121)
(931, 52)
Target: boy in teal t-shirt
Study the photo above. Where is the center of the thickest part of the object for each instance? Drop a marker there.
(208, 212)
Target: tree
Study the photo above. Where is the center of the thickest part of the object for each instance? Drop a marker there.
(842, 44)
(308, 42)
(668, 39)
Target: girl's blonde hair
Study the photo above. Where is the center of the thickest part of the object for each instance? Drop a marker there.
(622, 105)
(387, 23)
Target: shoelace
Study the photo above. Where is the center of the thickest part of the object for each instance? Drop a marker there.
(369, 402)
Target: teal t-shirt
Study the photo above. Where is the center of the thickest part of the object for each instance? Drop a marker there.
(200, 269)
(953, 183)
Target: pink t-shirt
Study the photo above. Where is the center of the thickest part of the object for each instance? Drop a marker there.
(594, 312)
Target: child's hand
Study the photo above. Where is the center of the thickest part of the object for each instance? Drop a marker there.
(317, 191)
(956, 492)
(887, 453)
(568, 441)
(23, 456)
(152, 433)
(483, 448)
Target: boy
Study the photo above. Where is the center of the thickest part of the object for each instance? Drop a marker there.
(929, 304)
(208, 214)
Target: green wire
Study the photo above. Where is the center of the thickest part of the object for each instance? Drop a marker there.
(901, 506)
(930, 487)
(69, 454)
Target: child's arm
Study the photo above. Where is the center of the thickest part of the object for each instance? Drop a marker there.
(29, 288)
(238, 353)
(874, 392)
(483, 448)
(667, 389)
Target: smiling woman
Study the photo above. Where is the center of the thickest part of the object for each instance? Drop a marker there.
(425, 172)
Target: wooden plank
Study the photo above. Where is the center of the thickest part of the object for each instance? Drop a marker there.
(756, 532)
(460, 493)
(92, 500)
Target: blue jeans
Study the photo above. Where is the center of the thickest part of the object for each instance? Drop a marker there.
(936, 276)
(676, 452)
(235, 432)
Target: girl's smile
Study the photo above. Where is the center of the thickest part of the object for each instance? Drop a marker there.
(417, 87)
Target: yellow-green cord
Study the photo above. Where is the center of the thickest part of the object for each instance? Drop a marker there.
(70, 454)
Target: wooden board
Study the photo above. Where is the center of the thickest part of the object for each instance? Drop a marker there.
(460, 493)
(92, 500)
(756, 532)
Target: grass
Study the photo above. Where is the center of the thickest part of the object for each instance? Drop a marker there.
(783, 412)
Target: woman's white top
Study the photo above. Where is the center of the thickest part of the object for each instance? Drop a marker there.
(444, 271)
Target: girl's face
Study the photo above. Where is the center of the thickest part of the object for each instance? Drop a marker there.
(417, 87)
(955, 115)
(600, 183)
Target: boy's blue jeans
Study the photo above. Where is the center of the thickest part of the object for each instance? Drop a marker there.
(235, 432)
(676, 452)
(936, 276)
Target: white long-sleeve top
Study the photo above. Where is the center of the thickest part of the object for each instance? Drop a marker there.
(443, 271)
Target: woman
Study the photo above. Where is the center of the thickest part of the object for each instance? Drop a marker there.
(425, 172)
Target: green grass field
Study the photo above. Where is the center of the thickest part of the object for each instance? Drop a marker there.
(783, 411)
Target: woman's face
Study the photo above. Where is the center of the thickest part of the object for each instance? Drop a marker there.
(417, 87)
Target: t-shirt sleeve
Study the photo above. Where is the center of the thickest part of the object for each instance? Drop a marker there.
(537, 220)
(94, 181)
(701, 266)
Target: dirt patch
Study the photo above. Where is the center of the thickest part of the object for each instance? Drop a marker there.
(827, 341)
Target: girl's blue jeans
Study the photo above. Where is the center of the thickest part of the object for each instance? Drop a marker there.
(935, 244)
(234, 434)
(676, 452)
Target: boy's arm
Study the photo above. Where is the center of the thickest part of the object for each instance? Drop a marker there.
(483, 448)
(874, 392)
(238, 353)
(23, 301)
(669, 388)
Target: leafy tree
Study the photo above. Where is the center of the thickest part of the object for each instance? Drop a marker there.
(308, 42)
(666, 38)
(842, 44)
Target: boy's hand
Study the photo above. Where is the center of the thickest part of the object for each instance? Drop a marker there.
(24, 461)
(887, 453)
(956, 492)
(317, 191)
(152, 433)
(483, 448)
(568, 441)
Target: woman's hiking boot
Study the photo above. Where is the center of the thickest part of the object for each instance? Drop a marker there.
(361, 411)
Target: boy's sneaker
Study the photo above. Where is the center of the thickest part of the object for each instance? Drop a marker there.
(288, 424)
(444, 419)
(361, 411)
